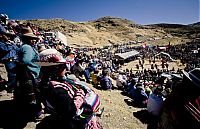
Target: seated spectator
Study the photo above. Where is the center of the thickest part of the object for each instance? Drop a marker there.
(121, 81)
(105, 81)
(139, 96)
(155, 101)
(77, 69)
(94, 76)
(148, 90)
(131, 84)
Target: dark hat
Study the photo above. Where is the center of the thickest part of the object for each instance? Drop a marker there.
(158, 90)
(139, 86)
(193, 76)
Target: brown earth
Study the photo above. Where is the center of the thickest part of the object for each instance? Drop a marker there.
(109, 30)
(118, 113)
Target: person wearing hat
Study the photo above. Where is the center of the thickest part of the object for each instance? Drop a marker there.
(4, 19)
(28, 74)
(8, 56)
(182, 106)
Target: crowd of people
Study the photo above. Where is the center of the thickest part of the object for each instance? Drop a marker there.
(42, 73)
(38, 66)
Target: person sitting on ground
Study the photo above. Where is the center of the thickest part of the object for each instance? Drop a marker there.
(155, 101)
(78, 69)
(131, 84)
(139, 96)
(121, 81)
(105, 81)
(94, 77)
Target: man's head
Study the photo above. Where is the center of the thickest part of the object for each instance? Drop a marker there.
(28, 36)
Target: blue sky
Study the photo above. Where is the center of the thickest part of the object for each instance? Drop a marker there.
(139, 11)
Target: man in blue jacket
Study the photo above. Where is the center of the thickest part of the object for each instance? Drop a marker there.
(8, 57)
(105, 81)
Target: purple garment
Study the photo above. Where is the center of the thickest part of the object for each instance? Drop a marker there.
(105, 83)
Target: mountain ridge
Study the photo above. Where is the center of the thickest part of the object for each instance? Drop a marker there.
(114, 30)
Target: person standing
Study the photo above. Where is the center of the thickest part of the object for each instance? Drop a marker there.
(9, 57)
(28, 74)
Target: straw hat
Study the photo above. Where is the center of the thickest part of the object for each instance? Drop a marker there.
(27, 32)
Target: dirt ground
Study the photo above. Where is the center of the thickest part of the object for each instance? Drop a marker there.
(118, 113)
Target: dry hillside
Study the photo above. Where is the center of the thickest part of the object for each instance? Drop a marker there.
(103, 31)
(113, 30)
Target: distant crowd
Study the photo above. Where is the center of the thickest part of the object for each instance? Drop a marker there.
(46, 75)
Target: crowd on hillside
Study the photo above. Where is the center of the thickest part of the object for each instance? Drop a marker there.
(39, 66)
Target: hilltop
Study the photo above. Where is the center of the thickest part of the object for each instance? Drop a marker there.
(113, 30)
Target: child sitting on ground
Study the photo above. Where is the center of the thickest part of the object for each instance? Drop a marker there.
(94, 76)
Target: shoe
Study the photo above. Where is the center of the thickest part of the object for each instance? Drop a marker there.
(100, 112)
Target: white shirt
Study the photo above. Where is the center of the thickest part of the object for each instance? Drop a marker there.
(120, 80)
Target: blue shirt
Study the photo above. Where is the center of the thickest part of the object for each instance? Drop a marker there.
(28, 56)
(139, 96)
(106, 83)
(8, 51)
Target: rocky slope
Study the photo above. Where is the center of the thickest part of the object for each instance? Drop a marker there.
(103, 31)
(113, 30)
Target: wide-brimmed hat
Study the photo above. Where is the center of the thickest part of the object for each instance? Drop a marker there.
(43, 64)
(27, 32)
(193, 76)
